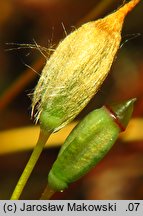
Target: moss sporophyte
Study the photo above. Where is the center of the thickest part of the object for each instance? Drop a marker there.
(72, 76)
(88, 143)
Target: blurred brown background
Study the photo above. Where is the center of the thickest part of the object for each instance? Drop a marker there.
(120, 174)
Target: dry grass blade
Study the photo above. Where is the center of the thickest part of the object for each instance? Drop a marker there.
(96, 11)
(27, 76)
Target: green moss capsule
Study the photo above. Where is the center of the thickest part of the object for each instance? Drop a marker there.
(88, 143)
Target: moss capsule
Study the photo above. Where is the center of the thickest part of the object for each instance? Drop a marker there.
(77, 69)
(88, 143)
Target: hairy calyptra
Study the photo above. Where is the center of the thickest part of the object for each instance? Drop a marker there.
(88, 143)
(76, 70)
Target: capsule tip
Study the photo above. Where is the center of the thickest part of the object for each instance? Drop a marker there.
(116, 19)
(125, 9)
(123, 112)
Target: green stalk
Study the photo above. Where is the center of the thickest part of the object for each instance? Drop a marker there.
(47, 194)
(43, 137)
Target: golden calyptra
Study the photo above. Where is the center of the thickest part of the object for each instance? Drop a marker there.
(76, 70)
